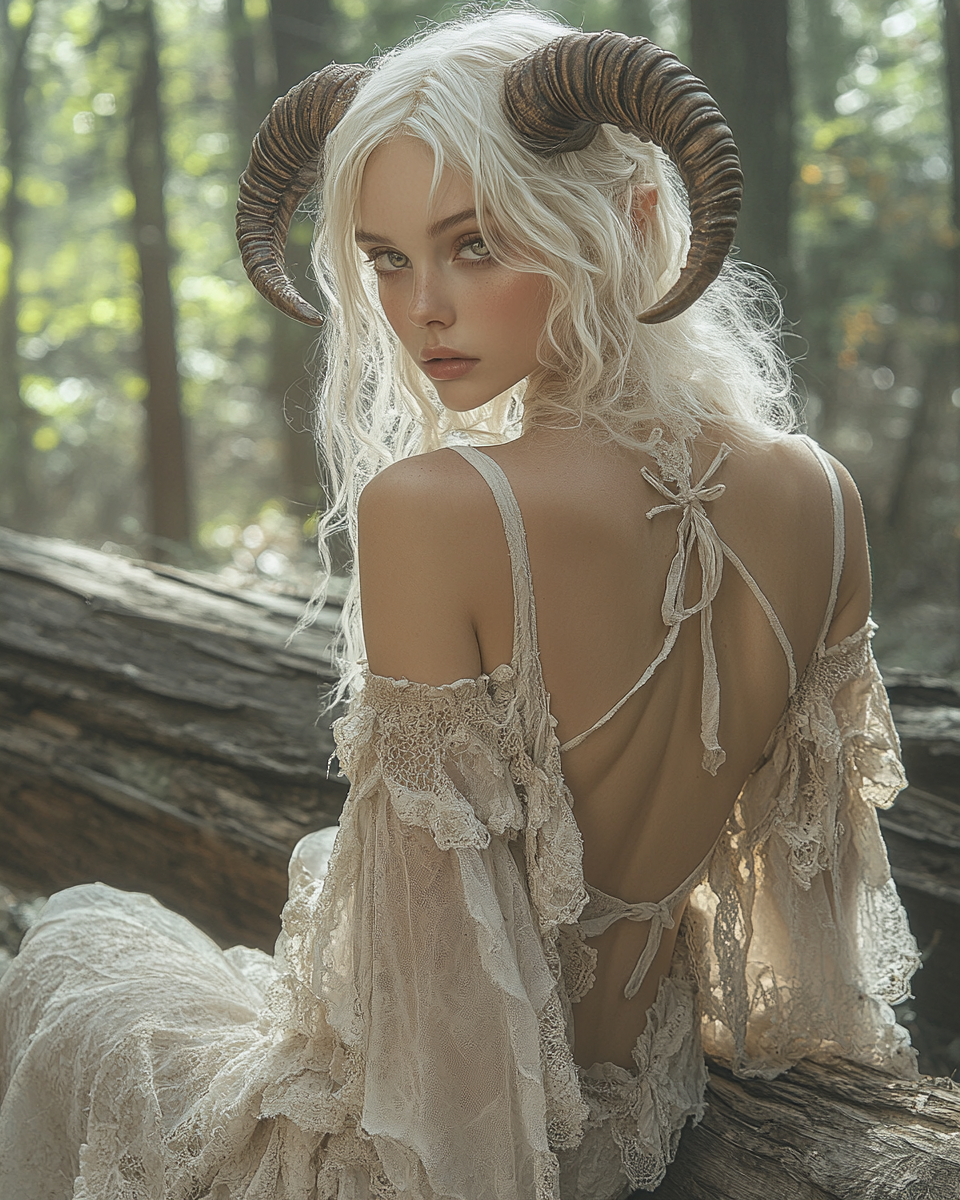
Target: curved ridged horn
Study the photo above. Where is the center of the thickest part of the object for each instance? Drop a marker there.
(558, 95)
(284, 165)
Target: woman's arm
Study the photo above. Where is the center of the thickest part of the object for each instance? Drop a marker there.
(417, 559)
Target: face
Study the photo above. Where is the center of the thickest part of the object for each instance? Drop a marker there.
(470, 323)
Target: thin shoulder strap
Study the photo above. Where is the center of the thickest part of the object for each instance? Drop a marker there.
(524, 610)
(839, 535)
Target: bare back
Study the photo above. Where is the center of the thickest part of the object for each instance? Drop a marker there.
(648, 810)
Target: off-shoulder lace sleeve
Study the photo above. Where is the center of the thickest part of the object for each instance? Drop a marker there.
(803, 941)
(424, 967)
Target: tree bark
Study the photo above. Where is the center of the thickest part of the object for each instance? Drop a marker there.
(167, 475)
(16, 421)
(740, 50)
(158, 733)
(822, 1131)
(305, 38)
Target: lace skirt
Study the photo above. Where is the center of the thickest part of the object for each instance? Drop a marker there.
(122, 1027)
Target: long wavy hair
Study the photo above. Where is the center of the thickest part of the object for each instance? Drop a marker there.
(568, 217)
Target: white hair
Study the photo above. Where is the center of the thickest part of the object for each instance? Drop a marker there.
(568, 217)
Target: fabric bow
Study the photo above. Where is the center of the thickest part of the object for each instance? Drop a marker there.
(696, 532)
(660, 915)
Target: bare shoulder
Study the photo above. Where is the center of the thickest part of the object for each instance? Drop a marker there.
(793, 466)
(420, 480)
(785, 487)
(848, 488)
(792, 460)
(418, 524)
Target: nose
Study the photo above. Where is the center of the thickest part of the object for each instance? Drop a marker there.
(430, 300)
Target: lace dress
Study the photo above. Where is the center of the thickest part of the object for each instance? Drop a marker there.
(412, 1035)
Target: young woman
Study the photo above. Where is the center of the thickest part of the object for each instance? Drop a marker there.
(618, 740)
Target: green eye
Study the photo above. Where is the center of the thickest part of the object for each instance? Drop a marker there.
(386, 262)
(474, 251)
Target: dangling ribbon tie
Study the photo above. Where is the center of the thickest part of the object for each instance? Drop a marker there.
(696, 531)
(658, 913)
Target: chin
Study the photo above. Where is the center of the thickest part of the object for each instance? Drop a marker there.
(464, 401)
(463, 404)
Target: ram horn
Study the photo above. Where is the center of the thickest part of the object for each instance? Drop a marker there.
(557, 97)
(285, 163)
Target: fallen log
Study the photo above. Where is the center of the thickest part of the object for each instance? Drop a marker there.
(922, 833)
(927, 713)
(822, 1131)
(158, 733)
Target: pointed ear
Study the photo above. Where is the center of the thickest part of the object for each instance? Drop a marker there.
(644, 206)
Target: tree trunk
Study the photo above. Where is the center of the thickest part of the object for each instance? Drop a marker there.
(938, 372)
(170, 519)
(740, 49)
(951, 38)
(250, 101)
(305, 38)
(635, 19)
(16, 420)
(822, 1131)
(825, 50)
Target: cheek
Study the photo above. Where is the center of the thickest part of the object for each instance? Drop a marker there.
(393, 306)
(521, 304)
(530, 304)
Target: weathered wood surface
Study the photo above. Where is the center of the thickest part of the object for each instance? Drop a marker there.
(922, 832)
(927, 713)
(834, 1131)
(156, 732)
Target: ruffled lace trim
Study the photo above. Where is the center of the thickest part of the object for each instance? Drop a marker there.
(836, 738)
(643, 1111)
(783, 976)
(454, 762)
(426, 735)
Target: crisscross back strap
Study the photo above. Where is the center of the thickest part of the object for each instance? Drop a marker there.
(524, 610)
(696, 534)
(839, 536)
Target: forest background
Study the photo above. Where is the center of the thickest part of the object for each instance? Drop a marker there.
(153, 404)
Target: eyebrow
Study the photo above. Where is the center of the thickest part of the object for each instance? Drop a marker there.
(434, 230)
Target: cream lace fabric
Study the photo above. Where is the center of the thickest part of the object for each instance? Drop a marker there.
(412, 1036)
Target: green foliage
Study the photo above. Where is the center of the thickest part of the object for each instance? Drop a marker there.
(876, 252)
(875, 256)
(79, 319)
(873, 216)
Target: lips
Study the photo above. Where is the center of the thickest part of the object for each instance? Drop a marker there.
(440, 362)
